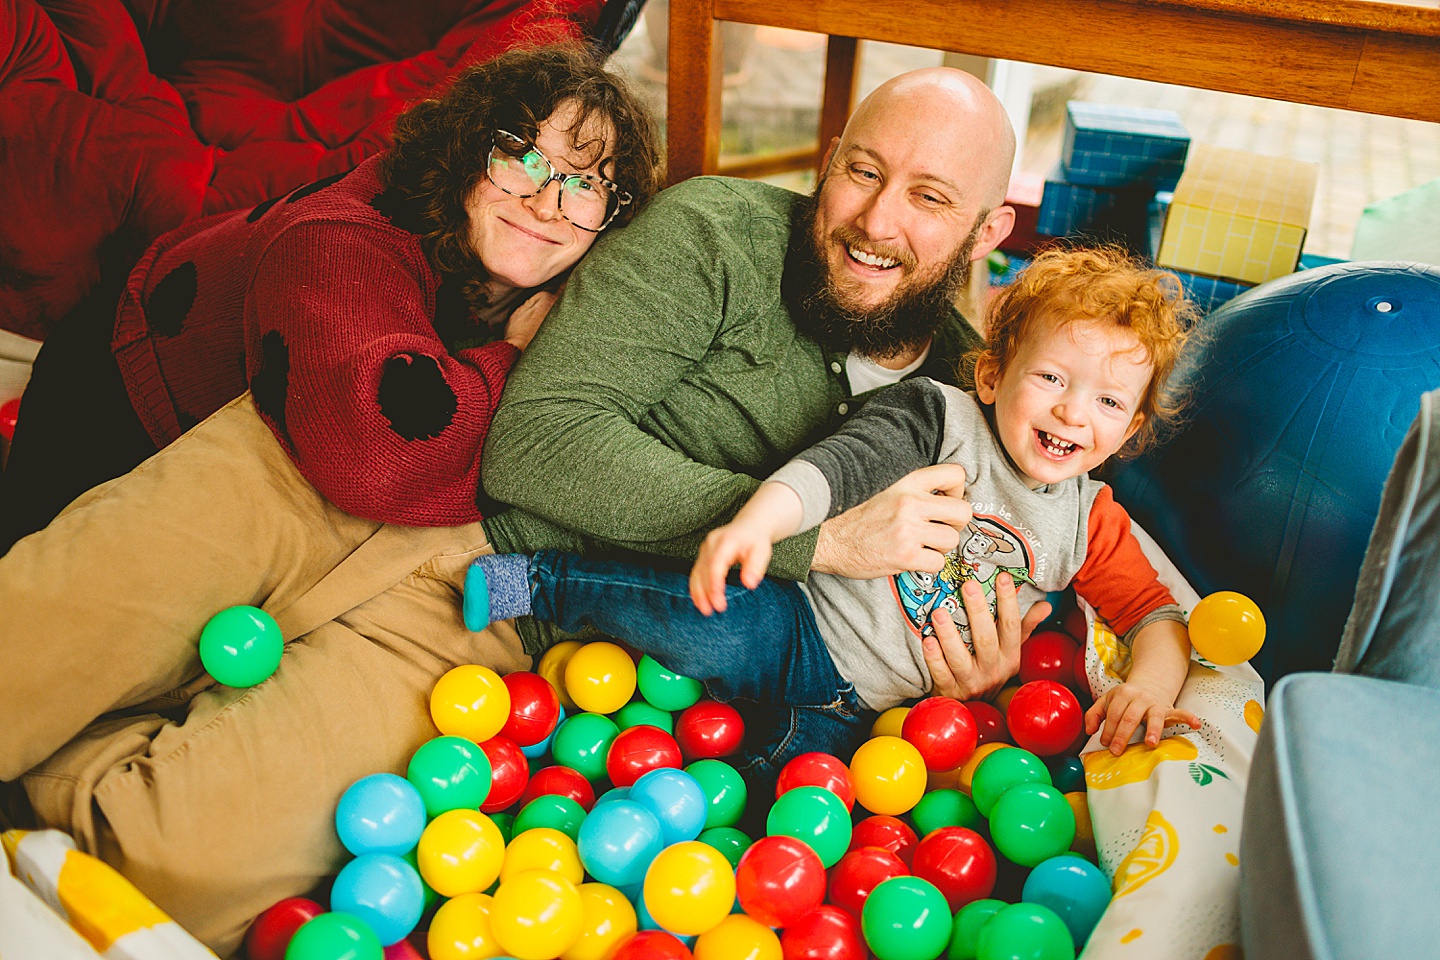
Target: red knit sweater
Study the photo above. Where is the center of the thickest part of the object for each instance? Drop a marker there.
(324, 305)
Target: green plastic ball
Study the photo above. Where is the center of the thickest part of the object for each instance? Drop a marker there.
(1002, 770)
(724, 790)
(427, 891)
(731, 842)
(906, 918)
(334, 936)
(1025, 931)
(554, 811)
(665, 689)
(944, 808)
(506, 823)
(816, 816)
(965, 935)
(1032, 822)
(638, 713)
(450, 773)
(583, 742)
(241, 646)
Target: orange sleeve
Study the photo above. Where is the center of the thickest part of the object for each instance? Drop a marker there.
(1116, 578)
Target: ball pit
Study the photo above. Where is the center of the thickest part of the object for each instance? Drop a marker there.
(908, 851)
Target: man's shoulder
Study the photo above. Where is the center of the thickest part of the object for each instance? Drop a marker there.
(718, 197)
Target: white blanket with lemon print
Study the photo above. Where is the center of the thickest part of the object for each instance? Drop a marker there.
(1167, 819)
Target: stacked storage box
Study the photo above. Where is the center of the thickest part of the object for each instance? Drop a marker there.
(1114, 161)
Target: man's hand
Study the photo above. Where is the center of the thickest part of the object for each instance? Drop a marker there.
(526, 318)
(910, 525)
(1125, 707)
(724, 547)
(954, 670)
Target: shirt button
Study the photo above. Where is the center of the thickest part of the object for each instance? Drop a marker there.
(834, 367)
(843, 409)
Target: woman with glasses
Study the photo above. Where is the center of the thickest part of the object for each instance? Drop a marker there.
(374, 316)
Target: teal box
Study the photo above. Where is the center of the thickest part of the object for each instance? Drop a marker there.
(1111, 146)
(1096, 214)
(1207, 293)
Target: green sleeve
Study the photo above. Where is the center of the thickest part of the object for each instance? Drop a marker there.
(637, 314)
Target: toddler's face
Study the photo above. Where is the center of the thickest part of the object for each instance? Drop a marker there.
(1069, 398)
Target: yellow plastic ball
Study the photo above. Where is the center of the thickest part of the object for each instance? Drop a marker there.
(606, 919)
(460, 852)
(1003, 698)
(968, 768)
(460, 930)
(1084, 842)
(689, 888)
(600, 677)
(889, 775)
(552, 667)
(470, 701)
(1227, 628)
(542, 848)
(537, 915)
(888, 724)
(738, 937)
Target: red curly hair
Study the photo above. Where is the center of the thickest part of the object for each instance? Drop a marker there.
(1106, 285)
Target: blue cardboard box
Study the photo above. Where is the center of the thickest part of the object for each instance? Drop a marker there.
(1096, 214)
(1110, 146)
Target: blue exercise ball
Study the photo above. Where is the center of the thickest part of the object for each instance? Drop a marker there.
(1302, 390)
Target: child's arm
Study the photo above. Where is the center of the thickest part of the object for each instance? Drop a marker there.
(1160, 661)
(771, 515)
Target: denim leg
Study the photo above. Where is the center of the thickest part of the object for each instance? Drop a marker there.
(765, 648)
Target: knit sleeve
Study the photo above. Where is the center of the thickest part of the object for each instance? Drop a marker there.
(348, 371)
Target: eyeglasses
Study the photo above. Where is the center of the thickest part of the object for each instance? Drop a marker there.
(518, 167)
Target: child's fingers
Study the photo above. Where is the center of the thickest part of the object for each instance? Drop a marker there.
(699, 586)
(1182, 716)
(1121, 725)
(1096, 713)
(753, 564)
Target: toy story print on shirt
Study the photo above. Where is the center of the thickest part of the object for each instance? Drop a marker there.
(988, 546)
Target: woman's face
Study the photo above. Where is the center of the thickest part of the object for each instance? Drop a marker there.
(524, 241)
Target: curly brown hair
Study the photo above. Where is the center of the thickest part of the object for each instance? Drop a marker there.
(439, 146)
(1063, 286)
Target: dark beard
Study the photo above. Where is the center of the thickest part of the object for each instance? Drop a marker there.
(907, 320)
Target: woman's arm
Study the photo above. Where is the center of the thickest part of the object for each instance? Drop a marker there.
(347, 369)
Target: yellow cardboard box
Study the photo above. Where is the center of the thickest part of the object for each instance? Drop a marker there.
(1238, 215)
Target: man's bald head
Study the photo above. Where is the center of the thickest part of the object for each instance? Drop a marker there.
(953, 112)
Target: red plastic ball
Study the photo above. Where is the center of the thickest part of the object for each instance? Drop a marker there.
(270, 934)
(1081, 677)
(825, 933)
(562, 781)
(960, 864)
(859, 872)
(779, 879)
(891, 833)
(1075, 625)
(9, 416)
(534, 708)
(402, 950)
(943, 730)
(637, 750)
(1048, 655)
(818, 770)
(1044, 718)
(509, 773)
(652, 945)
(989, 722)
(709, 730)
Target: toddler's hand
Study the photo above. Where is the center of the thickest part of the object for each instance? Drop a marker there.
(723, 548)
(1123, 708)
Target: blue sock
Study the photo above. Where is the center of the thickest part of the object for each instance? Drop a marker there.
(497, 587)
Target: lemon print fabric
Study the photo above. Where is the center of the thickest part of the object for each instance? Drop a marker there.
(1114, 655)
(1254, 713)
(1155, 853)
(1105, 771)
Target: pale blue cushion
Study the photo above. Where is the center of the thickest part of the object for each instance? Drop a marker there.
(1340, 855)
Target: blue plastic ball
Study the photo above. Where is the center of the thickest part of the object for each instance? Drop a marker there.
(382, 890)
(1303, 388)
(381, 813)
(677, 800)
(537, 750)
(617, 841)
(1072, 887)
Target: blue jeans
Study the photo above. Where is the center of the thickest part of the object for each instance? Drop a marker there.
(764, 652)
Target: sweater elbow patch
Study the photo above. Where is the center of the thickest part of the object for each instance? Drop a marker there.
(415, 397)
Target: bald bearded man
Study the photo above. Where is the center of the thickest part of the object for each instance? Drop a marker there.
(727, 327)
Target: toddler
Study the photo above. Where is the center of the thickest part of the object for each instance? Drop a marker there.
(1074, 370)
